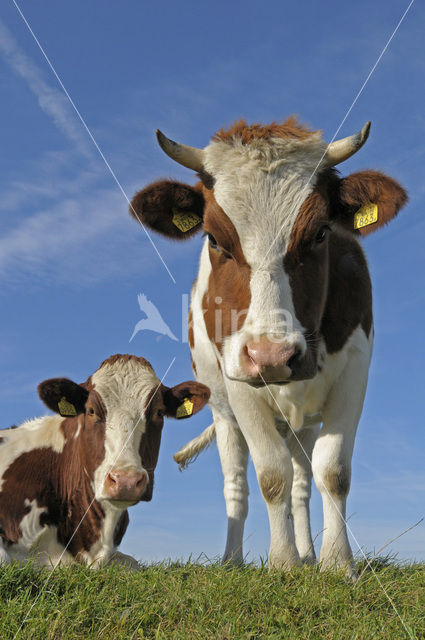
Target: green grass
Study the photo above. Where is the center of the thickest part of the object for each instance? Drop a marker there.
(200, 602)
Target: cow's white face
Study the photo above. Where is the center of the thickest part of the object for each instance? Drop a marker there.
(261, 189)
(283, 251)
(119, 414)
(130, 409)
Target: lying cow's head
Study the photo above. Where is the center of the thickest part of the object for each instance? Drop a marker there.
(120, 413)
(281, 226)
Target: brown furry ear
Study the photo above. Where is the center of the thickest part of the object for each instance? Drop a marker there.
(369, 187)
(185, 399)
(63, 396)
(172, 208)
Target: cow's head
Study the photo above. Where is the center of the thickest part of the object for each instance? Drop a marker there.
(279, 219)
(120, 413)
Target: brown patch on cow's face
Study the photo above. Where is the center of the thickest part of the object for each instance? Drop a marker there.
(92, 436)
(151, 439)
(227, 301)
(248, 133)
(307, 264)
(329, 278)
(349, 299)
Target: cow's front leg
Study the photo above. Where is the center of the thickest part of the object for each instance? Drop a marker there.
(301, 446)
(233, 452)
(273, 466)
(4, 556)
(332, 459)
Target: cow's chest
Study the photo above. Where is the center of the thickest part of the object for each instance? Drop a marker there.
(301, 403)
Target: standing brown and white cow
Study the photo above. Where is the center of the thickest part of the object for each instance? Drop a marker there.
(282, 317)
(66, 481)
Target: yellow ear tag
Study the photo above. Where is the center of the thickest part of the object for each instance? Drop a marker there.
(185, 409)
(368, 214)
(66, 409)
(185, 221)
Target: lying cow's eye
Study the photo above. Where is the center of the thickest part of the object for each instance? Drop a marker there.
(159, 413)
(212, 241)
(320, 237)
(91, 411)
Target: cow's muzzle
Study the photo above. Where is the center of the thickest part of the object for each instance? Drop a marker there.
(126, 486)
(265, 361)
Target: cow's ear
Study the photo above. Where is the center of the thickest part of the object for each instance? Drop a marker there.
(368, 200)
(63, 396)
(185, 399)
(172, 208)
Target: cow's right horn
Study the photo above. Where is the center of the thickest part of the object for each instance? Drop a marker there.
(189, 157)
(343, 149)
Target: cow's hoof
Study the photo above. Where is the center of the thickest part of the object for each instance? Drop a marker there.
(232, 560)
(124, 560)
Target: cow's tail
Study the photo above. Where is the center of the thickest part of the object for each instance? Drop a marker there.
(192, 449)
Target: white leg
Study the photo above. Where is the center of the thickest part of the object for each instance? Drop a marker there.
(273, 466)
(4, 556)
(301, 448)
(332, 458)
(233, 452)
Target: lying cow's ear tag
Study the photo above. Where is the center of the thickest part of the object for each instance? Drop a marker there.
(185, 221)
(66, 409)
(368, 214)
(185, 409)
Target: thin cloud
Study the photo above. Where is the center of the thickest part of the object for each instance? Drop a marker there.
(51, 100)
(68, 239)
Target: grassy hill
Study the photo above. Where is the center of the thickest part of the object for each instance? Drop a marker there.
(200, 602)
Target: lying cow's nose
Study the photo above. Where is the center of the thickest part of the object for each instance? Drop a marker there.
(270, 360)
(126, 485)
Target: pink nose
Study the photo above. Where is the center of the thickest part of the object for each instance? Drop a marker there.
(126, 485)
(263, 357)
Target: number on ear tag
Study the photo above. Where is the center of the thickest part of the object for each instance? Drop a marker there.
(185, 409)
(368, 214)
(185, 221)
(66, 409)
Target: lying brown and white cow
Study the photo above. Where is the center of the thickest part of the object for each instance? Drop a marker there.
(282, 317)
(66, 481)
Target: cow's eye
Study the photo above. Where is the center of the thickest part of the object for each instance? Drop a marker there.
(91, 411)
(160, 413)
(212, 241)
(323, 232)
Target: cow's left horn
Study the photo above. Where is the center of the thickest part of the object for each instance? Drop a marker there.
(189, 157)
(341, 150)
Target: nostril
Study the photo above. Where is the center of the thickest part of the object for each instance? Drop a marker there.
(293, 360)
(112, 478)
(141, 481)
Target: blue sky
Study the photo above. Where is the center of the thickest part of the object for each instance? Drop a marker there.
(72, 261)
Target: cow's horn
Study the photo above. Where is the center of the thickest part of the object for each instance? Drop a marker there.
(189, 157)
(341, 150)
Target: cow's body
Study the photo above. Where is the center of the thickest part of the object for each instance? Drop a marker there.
(66, 482)
(282, 320)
